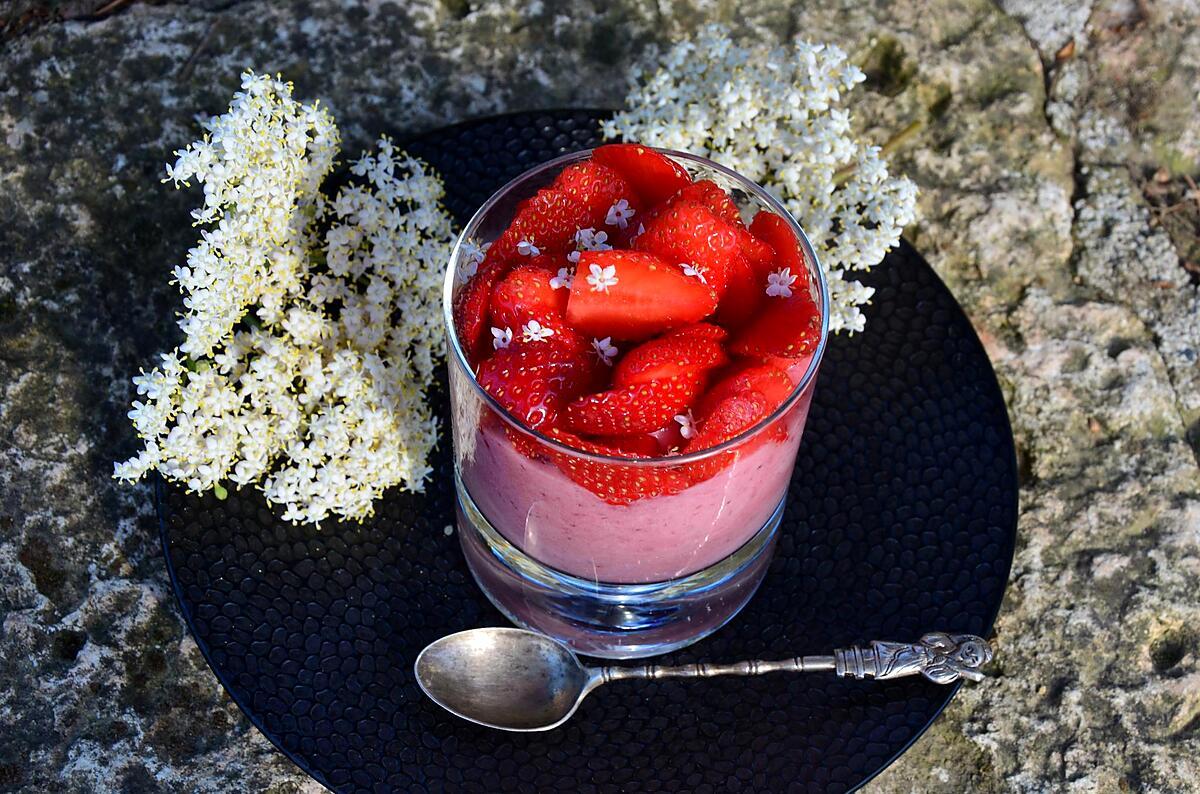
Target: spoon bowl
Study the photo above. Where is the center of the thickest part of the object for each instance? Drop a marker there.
(504, 678)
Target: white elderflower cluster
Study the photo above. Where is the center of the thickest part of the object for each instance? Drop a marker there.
(774, 114)
(313, 325)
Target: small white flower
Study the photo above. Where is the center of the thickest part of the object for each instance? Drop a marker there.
(601, 278)
(780, 282)
(619, 214)
(605, 349)
(533, 331)
(573, 257)
(501, 337)
(526, 248)
(565, 278)
(690, 270)
(687, 424)
(472, 257)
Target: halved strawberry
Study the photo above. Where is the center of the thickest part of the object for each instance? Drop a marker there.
(534, 381)
(640, 446)
(690, 235)
(615, 483)
(666, 357)
(654, 176)
(638, 408)
(580, 197)
(526, 294)
(785, 326)
(771, 382)
(743, 295)
(711, 195)
(730, 417)
(785, 248)
(713, 333)
(471, 306)
(633, 295)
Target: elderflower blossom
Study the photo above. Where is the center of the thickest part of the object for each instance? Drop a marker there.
(313, 324)
(775, 115)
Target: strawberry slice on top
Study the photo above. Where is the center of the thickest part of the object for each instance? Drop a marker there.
(654, 176)
(711, 195)
(666, 357)
(535, 380)
(769, 381)
(775, 232)
(472, 309)
(526, 294)
(690, 235)
(729, 418)
(633, 295)
(787, 323)
(637, 408)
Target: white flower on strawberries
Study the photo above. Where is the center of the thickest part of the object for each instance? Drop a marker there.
(690, 270)
(687, 424)
(779, 283)
(564, 280)
(501, 337)
(601, 278)
(527, 248)
(588, 240)
(605, 349)
(619, 214)
(533, 331)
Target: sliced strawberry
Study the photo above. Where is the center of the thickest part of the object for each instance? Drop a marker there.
(666, 357)
(743, 295)
(689, 234)
(534, 381)
(526, 294)
(471, 310)
(525, 444)
(639, 408)
(640, 446)
(615, 483)
(785, 326)
(760, 255)
(711, 195)
(654, 176)
(580, 197)
(729, 418)
(785, 248)
(714, 333)
(771, 382)
(633, 295)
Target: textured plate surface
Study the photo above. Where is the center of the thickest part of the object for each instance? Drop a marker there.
(902, 519)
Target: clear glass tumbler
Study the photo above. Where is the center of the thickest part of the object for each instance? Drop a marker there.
(618, 580)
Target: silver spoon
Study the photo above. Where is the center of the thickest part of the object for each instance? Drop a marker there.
(518, 680)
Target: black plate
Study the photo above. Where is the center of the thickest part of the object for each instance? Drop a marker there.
(901, 520)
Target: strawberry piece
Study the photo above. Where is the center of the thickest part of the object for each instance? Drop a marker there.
(713, 333)
(711, 195)
(743, 295)
(771, 382)
(689, 234)
(471, 310)
(729, 418)
(641, 446)
(785, 326)
(633, 295)
(666, 358)
(786, 252)
(525, 444)
(615, 483)
(638, 408)
(580, 197)
(534, 381)
(526, 294)
(654, 176)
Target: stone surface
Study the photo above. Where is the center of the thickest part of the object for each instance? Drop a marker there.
(1045, 130)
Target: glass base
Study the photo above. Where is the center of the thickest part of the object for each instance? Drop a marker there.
(616, 621)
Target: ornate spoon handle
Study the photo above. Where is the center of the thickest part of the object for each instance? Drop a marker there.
(942, 658)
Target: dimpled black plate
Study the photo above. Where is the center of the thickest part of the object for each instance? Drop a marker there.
(901, 520)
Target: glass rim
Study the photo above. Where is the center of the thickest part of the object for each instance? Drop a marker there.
(457, 353)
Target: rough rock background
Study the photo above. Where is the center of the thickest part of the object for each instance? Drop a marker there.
(1055, 145)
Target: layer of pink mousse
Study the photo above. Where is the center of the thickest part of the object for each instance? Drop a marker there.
(561, 524)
